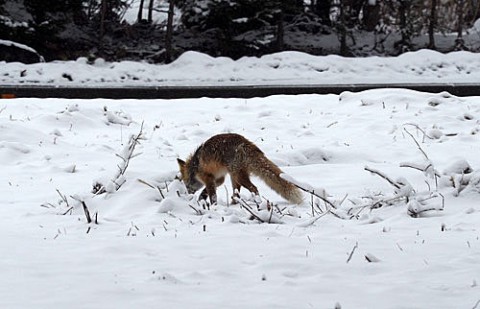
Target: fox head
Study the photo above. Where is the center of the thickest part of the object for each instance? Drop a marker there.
(187, 172)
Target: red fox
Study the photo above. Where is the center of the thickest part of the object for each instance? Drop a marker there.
(235, 155)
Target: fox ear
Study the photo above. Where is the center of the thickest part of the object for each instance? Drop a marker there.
(181, 163)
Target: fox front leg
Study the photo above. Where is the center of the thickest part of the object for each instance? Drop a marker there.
(204, 195)
(211, 183)
(210, 189)
(212, 197)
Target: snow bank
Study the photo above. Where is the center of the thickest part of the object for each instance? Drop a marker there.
(286, 68)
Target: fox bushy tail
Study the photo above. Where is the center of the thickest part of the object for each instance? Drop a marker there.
(270, 174)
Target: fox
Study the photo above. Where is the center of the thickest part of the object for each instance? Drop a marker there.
(232, 154)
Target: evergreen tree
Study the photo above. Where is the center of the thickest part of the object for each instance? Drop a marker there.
(322, 9)
(48, 19)
(243, 27)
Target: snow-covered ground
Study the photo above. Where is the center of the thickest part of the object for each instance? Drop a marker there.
(286, 68)
(410, 244)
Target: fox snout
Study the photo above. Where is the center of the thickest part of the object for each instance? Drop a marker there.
(193, 186)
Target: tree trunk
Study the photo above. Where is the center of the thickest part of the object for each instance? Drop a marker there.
(140, 12)
(150, 12)
(342, 30)
(169, 34)
(405, 43)
(459, 42)
(432, 24)
(280, 29)
(103, 14)
(403, 20)
(371, 15)
(322, 9)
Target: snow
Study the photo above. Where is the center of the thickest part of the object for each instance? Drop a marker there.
(17, 45)
(414, 244)
(159, 15)
(286, 68)
(476, 25)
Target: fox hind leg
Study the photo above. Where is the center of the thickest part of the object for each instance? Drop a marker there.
(236, 189)
(242, 179)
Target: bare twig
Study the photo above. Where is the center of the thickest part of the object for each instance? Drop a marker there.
(271, 214)
(87, 212)
(280, 211)
(421, 168)
(314, 219)
(153, 187)
(247, 207)
(415, 213)
(197, 211)
(352, 252)
(69, 210)
(416, 142)
(430, 165)
(343, 200)
(420, 129)
(145, 183)
(377, 172)
(63, 197)
(312, 192)
(128, 155)
(161, 192)
(48, 205)
(477, 304)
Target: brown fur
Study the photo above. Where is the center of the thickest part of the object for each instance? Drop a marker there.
(235, 155)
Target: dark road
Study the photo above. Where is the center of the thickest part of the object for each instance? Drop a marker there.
(177, 92)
